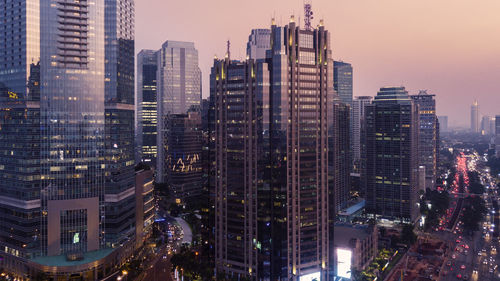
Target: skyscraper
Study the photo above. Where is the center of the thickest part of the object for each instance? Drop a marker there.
(443, 123)
(178, 88)
(358, 116)
(147, 109)
(272, 121)
(392, 155)
(66, 135)
(488, 125)
(183, 142)
(474, 117)
(342, 81)
(497, 135)
(428, 140)
(119, 121)
(341, 160)
(259, 42)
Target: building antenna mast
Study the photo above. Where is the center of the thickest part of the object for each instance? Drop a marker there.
(308, 15)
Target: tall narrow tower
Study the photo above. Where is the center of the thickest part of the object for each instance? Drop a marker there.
(474, 117)
(272, 123)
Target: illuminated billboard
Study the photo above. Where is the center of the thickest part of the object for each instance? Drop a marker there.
(344, 257)
(316, 276)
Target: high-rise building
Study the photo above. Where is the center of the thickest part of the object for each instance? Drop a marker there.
(342, 81)
(474, 117)
(488, 125)
(178, 89)
(146, 109)
(497, 135)
(392, 155)
(119, 121)
(259, 42)
(428, 139)
(272, 120)
(358, 116)
(341, 160)
(66, 136)
(183, 150)
(443, 123)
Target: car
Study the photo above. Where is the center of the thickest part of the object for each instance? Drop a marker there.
(454, 256)
(164, 256)
(479, 253)
(459, 276)
(466, 277)
(449, 263)
(462, 266)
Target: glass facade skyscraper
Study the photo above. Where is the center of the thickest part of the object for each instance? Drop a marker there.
(178, 89)
(358, 116)
(146, 109)
(60, 146)
(342, 81)
(119, 121)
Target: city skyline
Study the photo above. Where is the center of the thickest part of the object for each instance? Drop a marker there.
(364, 36)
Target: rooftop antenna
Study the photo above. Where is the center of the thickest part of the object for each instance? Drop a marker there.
(228, 53)
(308, 15)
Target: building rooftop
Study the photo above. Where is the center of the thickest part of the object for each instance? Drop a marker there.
(353, 209)
(61, 260)
(344, 233)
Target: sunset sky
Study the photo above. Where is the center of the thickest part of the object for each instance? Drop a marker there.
(449, 47)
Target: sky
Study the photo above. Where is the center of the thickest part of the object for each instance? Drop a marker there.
(451, 48)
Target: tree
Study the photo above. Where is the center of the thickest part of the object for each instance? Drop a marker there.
(474, 213)
(408, 236)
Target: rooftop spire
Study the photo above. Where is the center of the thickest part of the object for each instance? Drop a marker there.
(308, 15)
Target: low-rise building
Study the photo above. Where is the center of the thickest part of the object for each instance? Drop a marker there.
(355, 247)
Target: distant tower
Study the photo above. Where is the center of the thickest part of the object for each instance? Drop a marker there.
(474, 117)
(308, 15)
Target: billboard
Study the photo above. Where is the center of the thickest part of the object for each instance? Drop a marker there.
(316, 276)
(344, 257)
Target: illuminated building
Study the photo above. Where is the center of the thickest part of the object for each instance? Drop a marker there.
(183, 149)
(392, 155)
(145, 205)
(66, 145)
(272, 121)
(355, 248)
(147, 110)
(474, 117)
(119, 121)
(178, 88)
(428, 139)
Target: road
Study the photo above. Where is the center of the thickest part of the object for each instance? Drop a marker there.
(160, 269)
(473, 258)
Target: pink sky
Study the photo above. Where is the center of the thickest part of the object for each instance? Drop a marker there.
(449, 47)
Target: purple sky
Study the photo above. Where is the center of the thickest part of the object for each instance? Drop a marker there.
(449, 47)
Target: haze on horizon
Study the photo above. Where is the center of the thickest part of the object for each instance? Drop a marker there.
(450, 48)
